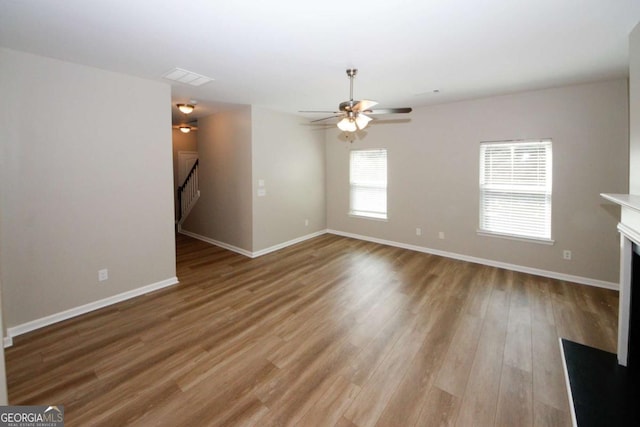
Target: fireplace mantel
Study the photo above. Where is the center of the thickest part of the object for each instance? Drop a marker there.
(627, 200)
(629, 228)
(630, 214)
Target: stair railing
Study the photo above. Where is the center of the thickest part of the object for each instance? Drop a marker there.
(188, 193)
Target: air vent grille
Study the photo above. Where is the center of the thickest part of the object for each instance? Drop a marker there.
(187, 77)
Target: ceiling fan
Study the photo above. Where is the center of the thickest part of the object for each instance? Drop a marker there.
(355, 114)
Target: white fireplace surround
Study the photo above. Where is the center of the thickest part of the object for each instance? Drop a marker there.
(629, 228)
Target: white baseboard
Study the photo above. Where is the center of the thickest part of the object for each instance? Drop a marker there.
(492, 263)
(67, 314)
(58, 317)
(83, 309)
(514, 267)
(249, 253)
(216, 243)
(288, 243)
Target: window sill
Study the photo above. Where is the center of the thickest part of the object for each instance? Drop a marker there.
(374, 218)
(549, 242)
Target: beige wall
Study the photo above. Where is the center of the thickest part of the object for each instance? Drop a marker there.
(433, 175)
(224, 211)
(85, 184)
(236, 149)
(4, 398)
(289, 156)
(634, 110)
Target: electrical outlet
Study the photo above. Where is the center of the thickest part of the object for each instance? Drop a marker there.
(103, 275)
(306, 222)
(441, 235)
(566, 254)
(418, 231)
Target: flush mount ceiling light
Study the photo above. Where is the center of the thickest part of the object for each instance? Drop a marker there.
(186, 108)
(186, 128)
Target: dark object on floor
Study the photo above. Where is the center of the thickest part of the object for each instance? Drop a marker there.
(604, 393)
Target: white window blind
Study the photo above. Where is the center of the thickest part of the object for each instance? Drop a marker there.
(368, 181)
(515, 188)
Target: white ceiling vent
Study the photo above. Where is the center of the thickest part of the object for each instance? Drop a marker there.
(187, 77)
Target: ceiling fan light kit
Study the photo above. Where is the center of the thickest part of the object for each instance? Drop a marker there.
(185, 129)
(352, 113)
(347, 124)
(362, 121)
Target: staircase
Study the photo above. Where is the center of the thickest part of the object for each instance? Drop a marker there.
(188, 195)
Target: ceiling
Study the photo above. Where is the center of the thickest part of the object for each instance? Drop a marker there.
(291, 55)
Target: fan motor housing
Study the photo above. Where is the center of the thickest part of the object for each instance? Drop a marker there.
(347, 105)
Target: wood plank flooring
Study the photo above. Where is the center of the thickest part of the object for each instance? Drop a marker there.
(329, 332)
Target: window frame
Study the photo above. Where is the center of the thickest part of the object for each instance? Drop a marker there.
(361, 213)
(509, 190)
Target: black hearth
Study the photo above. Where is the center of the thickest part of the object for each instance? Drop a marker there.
(603, 393)
(633, 357)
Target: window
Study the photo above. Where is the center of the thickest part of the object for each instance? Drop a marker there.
(515, 189)
(368, 181)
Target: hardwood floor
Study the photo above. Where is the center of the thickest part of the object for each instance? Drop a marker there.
(330, 332)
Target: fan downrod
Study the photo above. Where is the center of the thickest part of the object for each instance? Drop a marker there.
(346, 106)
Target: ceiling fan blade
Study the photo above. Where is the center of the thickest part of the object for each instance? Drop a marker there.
(326, 118)
(389, 110)
(363, 105)
(318, 111)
